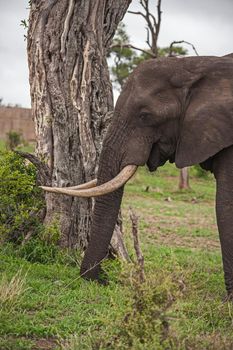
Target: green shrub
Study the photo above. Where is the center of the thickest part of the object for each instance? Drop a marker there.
(43, 248)
(51, 233)
(14, 139)
(147, 323)
(20, 198)
(37, 251)
(199, 172)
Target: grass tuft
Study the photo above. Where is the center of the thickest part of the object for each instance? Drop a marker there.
(11, 290)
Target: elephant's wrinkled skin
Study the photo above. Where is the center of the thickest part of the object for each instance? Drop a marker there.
(176, 109)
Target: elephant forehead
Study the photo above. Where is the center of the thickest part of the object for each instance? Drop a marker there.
(148, 87)
(154, 95)
(151, 79)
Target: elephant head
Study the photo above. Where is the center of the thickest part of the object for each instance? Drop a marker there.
(176, 109)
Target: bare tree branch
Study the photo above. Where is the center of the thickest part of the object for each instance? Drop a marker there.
(137, 13)
(133, 47)
(151, 27)
(43, 170)
(148, 39)
(159, 14)
(154, 19)
(153, 24)
(144, 4)
(181, 42)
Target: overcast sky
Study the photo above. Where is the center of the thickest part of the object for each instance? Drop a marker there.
(207, 24)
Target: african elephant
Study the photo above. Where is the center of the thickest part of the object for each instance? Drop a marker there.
(176, 109)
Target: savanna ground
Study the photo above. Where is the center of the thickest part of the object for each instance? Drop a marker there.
(45, 305)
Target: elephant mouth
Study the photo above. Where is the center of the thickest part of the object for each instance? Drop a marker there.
(90, 189)
(156, 158)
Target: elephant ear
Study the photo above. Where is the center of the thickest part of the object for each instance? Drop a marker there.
(207, 125)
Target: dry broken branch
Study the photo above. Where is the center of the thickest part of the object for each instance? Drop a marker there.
(139, 255)
(132, 47)
(181, 42)
(118, 246)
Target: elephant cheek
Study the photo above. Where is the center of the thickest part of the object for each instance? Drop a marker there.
(137, 153)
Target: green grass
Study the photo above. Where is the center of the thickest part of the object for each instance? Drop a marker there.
(48, 306)
(26, 147)
(2, 145)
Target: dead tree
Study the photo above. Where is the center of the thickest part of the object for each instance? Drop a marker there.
(153, 24)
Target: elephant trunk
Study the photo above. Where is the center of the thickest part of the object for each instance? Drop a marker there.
(104, 218)
(105, 214)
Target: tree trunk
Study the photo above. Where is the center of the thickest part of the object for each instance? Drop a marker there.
(184, 179)
(71, 98)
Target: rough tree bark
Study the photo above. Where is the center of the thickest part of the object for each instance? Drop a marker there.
(71, 98)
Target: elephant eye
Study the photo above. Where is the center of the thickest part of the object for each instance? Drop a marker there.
(146, 119)
(144, 116)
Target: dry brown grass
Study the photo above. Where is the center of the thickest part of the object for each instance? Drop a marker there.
(11, 291)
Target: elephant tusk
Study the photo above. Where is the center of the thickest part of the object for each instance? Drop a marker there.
(89, 184)
(110, 186)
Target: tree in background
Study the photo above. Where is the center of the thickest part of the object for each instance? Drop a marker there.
(126, 57)
(72, 100)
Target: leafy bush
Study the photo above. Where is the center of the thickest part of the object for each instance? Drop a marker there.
(38, 251)
(147, 323)
(43, 248)
(51, 233)
(149, 312)
(20, 198)
(35, 250)
(14, 139)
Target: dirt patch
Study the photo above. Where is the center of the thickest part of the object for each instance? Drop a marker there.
(36, 343)
(45, 344)
(188, 230)
(161, 231)
(174, 240)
